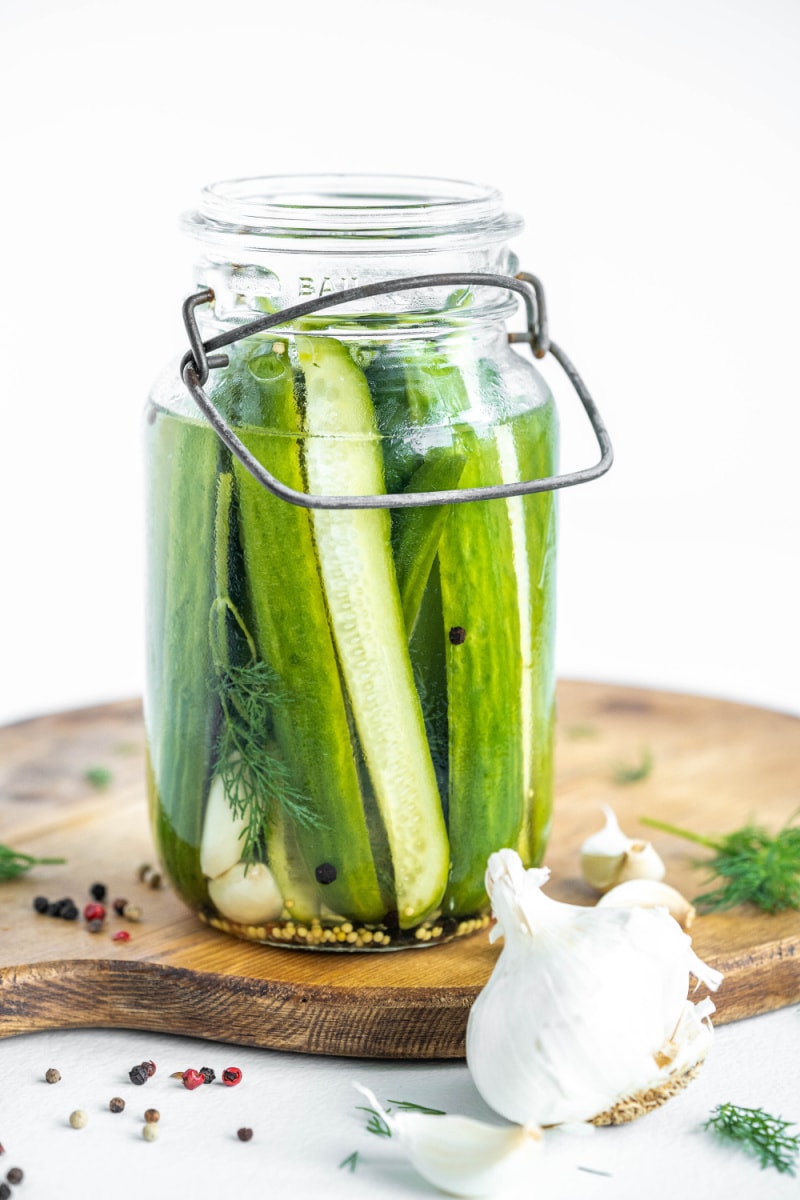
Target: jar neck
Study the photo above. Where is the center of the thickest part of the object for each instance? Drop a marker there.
(266, 244)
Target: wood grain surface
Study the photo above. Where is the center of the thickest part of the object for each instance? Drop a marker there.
(715, 766)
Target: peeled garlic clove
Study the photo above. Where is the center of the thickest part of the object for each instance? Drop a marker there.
(641, 861)
(247, 895)
(603, 853)
(223, 834)
(461, 1156)
(649, 893)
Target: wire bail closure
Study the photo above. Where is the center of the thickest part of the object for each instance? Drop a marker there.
(201, 358)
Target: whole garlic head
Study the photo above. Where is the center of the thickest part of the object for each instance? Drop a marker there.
(609, 857)
(586, 1008)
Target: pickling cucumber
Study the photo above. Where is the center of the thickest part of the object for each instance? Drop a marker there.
(343, 457)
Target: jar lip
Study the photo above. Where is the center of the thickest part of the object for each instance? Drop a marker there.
(364, 207)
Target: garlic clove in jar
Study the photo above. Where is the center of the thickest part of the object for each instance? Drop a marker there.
(223, 834)
(650, 893)
(609, 856)
(247, 895)
(462, 1156)
(581, 1003)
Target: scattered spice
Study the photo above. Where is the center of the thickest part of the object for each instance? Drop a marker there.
(351, 1161)
(624, 774)
(41, 904)
(5, 1191)
(150, 1067)
(152, 1115)
(244, 1134)
(52, 1075)
(116, 1104)
(98, 891)
(98, 777)
(95, 925)
(755, 866)
(208, 1075)
(457, 635)
(94, 912)
(121, 935)
(14, 1175)
(131, 912)
(119, 907)
(66, 908)
(192, 1079)
(231, 1076)
(325, 873)
(761, 1134)
(150, 1132)
(78, 1118)
(14, 863)
(139, 1074)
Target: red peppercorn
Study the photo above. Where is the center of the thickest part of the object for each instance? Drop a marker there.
(121, 935)
(94, 912)
(150, 1067)
(231, 1076)
(192, 1079)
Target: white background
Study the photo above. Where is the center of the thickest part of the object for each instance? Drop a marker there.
(652, 148)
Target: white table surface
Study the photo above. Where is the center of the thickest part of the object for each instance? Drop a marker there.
(305, 1122)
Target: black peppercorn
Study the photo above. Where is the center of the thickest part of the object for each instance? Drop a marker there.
(325, 873)
(139, 1074)
(244, 1134)
(119, 906)
(5, 1191)
(95, 925)
(98, 891)
(69, 912)
(14, 1175)
(458, 635)
(208, 1074)
(41, 904)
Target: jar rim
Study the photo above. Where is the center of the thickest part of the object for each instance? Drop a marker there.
(363, 207)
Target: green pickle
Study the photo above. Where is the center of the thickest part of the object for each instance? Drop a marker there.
(349, 710)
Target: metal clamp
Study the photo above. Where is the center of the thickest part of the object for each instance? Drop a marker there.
(201, 358)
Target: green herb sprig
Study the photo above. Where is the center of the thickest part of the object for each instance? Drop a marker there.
(758, 1132)
(754, 865)
(625, 774)
(377, 1123)
(14, 863)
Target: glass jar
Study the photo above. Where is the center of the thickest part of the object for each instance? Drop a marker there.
(348, 710)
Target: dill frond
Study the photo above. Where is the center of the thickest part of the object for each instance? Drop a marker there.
(761, 1134)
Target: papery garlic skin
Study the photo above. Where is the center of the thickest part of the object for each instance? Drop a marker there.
(461, 1156)
(609, 856)
(650, 893)
(580, 1003)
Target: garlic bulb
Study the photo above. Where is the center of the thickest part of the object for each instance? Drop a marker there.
(462, 1156)
(585, 1013)
(248, 894)
(650, 893)
(609, 857)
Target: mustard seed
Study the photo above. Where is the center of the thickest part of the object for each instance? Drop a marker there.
(116, 1104)
(78, 1118)
(52, 1075)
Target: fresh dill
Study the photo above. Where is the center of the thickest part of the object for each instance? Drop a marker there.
(255, 778)
(377, 1123)
(98, 777)
(753, 865)
(624, 774)
(761, 1134)
(14, 863)
(407, 1106)
(351, 1161)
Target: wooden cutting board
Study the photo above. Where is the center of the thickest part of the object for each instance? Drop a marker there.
(715, 766)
